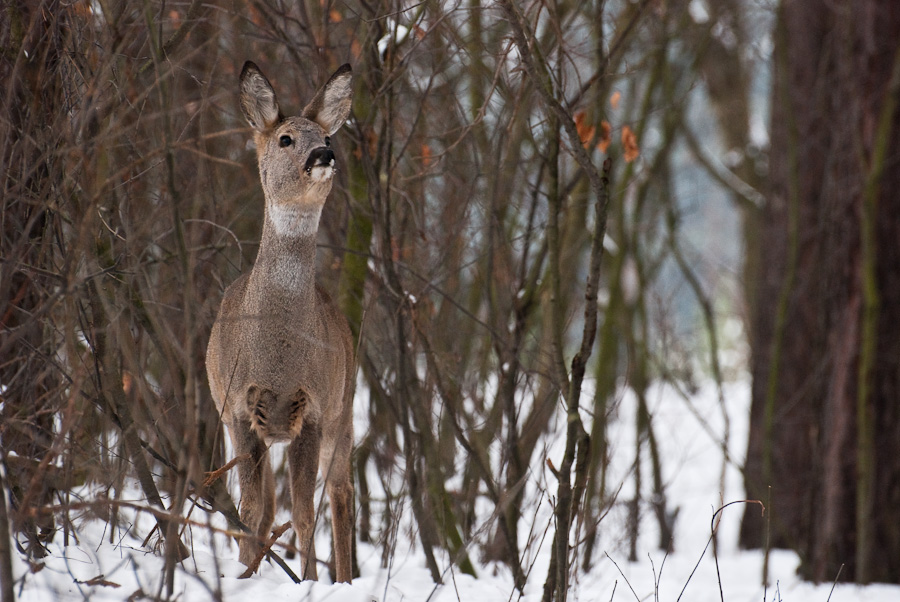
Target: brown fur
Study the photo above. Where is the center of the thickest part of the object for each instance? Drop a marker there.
(280, 356)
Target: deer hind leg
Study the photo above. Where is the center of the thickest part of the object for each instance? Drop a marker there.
(339, 484)
(303, 459)
(257, 488)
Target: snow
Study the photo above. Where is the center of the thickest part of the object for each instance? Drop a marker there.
(698, 11)
(104, 563)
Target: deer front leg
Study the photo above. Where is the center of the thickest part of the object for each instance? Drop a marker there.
(257, 488)
(303, 459)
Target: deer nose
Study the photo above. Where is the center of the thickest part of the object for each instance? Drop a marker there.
(320, 157)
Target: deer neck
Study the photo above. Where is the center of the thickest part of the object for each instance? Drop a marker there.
(286, 262)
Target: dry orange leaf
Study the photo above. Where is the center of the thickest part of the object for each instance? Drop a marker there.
(426, 155)
(614, 99)
(605, 136)
(395, 249)
(335, 15)
(585, 131)
(629, 144)
(371, 138)
(175, 18)
(83, 9)
(255, 16)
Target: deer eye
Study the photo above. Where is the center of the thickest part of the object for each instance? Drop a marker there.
(327, 141)
(285, 141)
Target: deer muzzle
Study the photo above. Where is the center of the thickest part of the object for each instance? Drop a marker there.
(320, 164)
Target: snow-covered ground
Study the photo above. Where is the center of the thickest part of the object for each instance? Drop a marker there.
(100, 564)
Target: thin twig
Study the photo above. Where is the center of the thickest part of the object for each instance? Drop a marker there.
(267, 547)
(712, 526)
(212, 477)
(628, 583)
(836, 577)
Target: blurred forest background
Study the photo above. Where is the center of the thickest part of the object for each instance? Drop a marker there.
(538, 206)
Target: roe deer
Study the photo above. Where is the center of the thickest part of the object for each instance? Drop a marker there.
(280, 355)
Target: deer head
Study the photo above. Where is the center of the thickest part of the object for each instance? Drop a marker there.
(296, 164)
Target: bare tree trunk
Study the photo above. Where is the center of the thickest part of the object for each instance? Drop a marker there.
(7, 594)
(30, 105)
(824, 418)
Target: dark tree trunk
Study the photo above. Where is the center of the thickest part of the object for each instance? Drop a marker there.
(826, 321)
(32, 385)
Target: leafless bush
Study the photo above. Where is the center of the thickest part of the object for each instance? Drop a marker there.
(458, 239)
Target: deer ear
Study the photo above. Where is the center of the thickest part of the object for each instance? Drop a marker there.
(331, 105)
(258, 102)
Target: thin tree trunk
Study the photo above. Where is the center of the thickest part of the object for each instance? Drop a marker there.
(7, 594)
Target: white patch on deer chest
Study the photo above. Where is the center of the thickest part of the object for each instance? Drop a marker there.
(294, 221)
